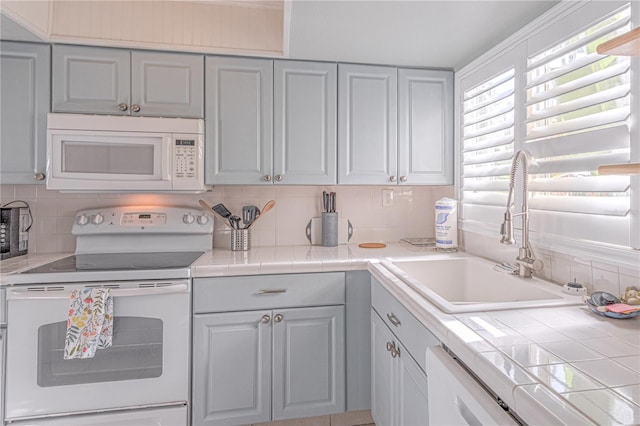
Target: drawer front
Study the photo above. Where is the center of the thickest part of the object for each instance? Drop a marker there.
(413, 335)
(268, 292)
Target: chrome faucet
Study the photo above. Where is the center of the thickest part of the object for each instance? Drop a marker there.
(527, 262)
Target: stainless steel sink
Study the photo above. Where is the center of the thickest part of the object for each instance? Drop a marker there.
(470, 284)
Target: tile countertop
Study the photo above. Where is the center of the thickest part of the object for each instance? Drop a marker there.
(561, 365)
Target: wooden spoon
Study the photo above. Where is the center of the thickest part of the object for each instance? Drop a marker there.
(264, 210)
(208, 208)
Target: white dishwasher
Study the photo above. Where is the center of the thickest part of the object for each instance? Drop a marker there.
(456, 398)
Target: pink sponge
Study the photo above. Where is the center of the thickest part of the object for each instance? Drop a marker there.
(622, 308)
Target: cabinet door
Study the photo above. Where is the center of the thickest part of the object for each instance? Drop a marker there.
(367, 117)
(383, 368)
(90, 80)
(231, 368)
(239, 115)
(25, 88)
(308, 362)
(425, 127)
(167, 84)
(411, 385)
(305, 123)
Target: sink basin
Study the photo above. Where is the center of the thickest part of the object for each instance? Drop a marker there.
(470, 284)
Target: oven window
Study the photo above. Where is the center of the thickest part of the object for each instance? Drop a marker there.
(136, 354)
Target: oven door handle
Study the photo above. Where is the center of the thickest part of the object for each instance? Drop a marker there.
(65, 292)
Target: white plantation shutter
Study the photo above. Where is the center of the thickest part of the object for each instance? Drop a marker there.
(577, 118)
(488, 135)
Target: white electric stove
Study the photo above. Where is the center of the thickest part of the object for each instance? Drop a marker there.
(143, 254)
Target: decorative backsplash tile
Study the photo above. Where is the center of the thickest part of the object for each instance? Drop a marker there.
(412, 214)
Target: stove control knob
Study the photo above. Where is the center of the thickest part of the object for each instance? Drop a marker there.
(188, 218)
(97, 219)
(203, 220)
(82, 220)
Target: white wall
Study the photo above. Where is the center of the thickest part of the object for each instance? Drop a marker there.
(411, 215)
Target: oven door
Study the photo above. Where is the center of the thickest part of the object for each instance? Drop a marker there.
(148, 363)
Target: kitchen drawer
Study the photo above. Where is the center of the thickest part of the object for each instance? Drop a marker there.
(413, 335)
(268, 292)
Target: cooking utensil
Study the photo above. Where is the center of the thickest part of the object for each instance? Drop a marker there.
(221, 210)
(265, 209)
(249, 214)
(208, 208)
(332, 202)
(234, 220)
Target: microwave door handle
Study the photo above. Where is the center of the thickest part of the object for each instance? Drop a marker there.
(25, 294)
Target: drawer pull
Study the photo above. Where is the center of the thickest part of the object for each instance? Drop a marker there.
(395, 352)
(272, 291)
(390, 346)
(395, 321)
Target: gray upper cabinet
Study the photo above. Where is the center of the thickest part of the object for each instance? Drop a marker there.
(239, 116)
(25, 88)
(367, 120)
(305, 123)
(425, 127)
(117, 81)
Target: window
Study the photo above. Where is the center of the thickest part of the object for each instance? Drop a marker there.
(571, 109)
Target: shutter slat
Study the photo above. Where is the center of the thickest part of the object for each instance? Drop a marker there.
(470, 132)
(468, 108)
(482, 88)
(490, 157)
(580, 184)
(578, 63)
(581, 123)
(499, 170)
(486, 185)
(577, 164)
(488, 143)
(610, 206)
(485, 198)
(580, 103)
(602, 75)
(617, 138)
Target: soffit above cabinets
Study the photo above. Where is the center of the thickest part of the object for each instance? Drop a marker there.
(217, 26)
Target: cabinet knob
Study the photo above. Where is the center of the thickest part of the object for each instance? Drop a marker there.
(403, 178)
(122, 107)
(278, 318)
(278, 178)
(392, 178)
(135, 108)
(265, 319)
(267, 178)
(40, 176)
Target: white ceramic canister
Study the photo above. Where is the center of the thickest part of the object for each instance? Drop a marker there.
(447, 223)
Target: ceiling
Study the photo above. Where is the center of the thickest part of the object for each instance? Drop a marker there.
(431, 33)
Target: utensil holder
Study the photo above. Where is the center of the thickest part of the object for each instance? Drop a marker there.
(330, 229)
(240, 239)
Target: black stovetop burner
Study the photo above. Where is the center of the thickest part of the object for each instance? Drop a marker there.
(118, 262)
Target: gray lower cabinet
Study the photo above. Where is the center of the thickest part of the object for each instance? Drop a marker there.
(252, 364)
(3, 338)
(398, 356)
(102, 80)
(24, 104)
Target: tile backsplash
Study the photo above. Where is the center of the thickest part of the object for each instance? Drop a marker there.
(560, 268)
(412, 213)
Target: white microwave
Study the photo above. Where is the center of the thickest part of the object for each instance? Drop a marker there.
(93, 153)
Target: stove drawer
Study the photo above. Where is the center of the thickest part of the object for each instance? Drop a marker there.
(268, 292)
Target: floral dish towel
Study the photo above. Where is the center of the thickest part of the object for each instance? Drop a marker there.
(89, 322)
